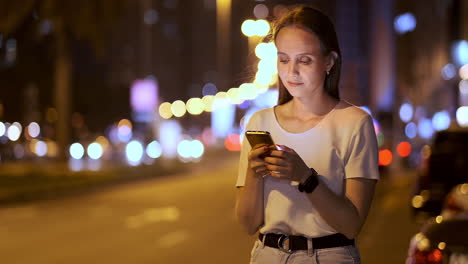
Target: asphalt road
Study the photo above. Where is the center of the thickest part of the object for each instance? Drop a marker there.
(178, 219)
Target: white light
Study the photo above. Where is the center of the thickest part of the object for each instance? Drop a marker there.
(448, 71)
(13, 133)
(248, 27)
(41, 148)
(404, 23)
(463, 87)
(34, 129)
(460, 52)
(441, 120)
(462, 116)
(95, 151)
(154, 150)
(425, 128)
(222, 119)
(134, 152)
(76, 151)
(2, 129)
(183, 149)
(463, 72)
(406, 112)
(197, 149)
(411, 130)
(169, 135)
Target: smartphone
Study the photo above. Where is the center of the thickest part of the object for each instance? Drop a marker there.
(259, 138)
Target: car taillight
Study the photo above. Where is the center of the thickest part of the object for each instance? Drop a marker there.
(433, 256)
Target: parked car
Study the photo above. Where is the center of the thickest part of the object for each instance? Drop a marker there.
(444, 164)
(444, 239)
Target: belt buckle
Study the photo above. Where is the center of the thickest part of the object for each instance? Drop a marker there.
(281, 242)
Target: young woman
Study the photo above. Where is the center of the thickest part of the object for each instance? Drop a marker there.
(310, 196)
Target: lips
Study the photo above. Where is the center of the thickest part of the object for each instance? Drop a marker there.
(294, 84)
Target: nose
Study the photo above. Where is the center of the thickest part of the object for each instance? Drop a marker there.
(293, 69)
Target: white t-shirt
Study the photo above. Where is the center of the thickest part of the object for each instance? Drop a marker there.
(342, 145)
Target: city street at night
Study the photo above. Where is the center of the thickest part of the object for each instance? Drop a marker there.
(185, 218)
(124, 125)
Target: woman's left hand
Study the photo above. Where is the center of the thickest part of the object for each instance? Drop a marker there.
(287, 164)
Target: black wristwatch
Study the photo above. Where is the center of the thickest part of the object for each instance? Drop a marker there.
(310, 183)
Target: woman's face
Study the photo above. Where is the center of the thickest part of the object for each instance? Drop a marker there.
(302, 66)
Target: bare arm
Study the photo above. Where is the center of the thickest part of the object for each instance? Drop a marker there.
(249, 201)
(346, 214)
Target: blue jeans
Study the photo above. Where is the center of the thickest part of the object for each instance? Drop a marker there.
(262, 254)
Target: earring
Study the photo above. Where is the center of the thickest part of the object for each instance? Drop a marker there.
(328, 72)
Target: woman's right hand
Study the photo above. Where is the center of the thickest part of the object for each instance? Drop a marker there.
(256, 162)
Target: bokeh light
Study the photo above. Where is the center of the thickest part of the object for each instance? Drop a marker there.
(95, 151)
(197, 149)
(76, 151)
(406, 112)
(183, 149)
(154, 150)
(178, 108)
(385, 157)
(165, 110)
(208, 102)
(463, 87)
(2, 129)
(134, 152)
(232, 142)
(234, 96)
(448, 71)
(260, 11)
(33, 129)
(460, 52)
(462, 116)
(40, 148)
(425, 128)
(463, 72)
(411, 130)
(262, 27)
(404, 23)
(248, 27)
(404, 149)
(195, 106)
(209, 89)
(13, 133)
(441, 120)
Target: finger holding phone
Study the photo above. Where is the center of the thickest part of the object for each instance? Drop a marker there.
(285, 163)
(256, 162)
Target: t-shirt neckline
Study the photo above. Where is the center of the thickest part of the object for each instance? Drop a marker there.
(309, 130)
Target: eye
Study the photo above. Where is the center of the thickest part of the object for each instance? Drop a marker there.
(305, 60)
(283, 60)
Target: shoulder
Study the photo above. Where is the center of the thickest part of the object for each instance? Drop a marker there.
(347, 113)
(254, 120)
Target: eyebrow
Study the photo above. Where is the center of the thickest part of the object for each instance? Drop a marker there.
(304, 53)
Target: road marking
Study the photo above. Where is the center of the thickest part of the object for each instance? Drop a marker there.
(172, 239)
(153, 215)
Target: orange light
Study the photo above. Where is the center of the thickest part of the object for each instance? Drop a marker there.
(385, 157)
(232, 142)
(435, 256)
(404, 149)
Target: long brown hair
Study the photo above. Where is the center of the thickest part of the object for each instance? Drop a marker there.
(321, 25)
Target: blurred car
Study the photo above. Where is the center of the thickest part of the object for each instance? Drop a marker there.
(444, 239)
(444, 164)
